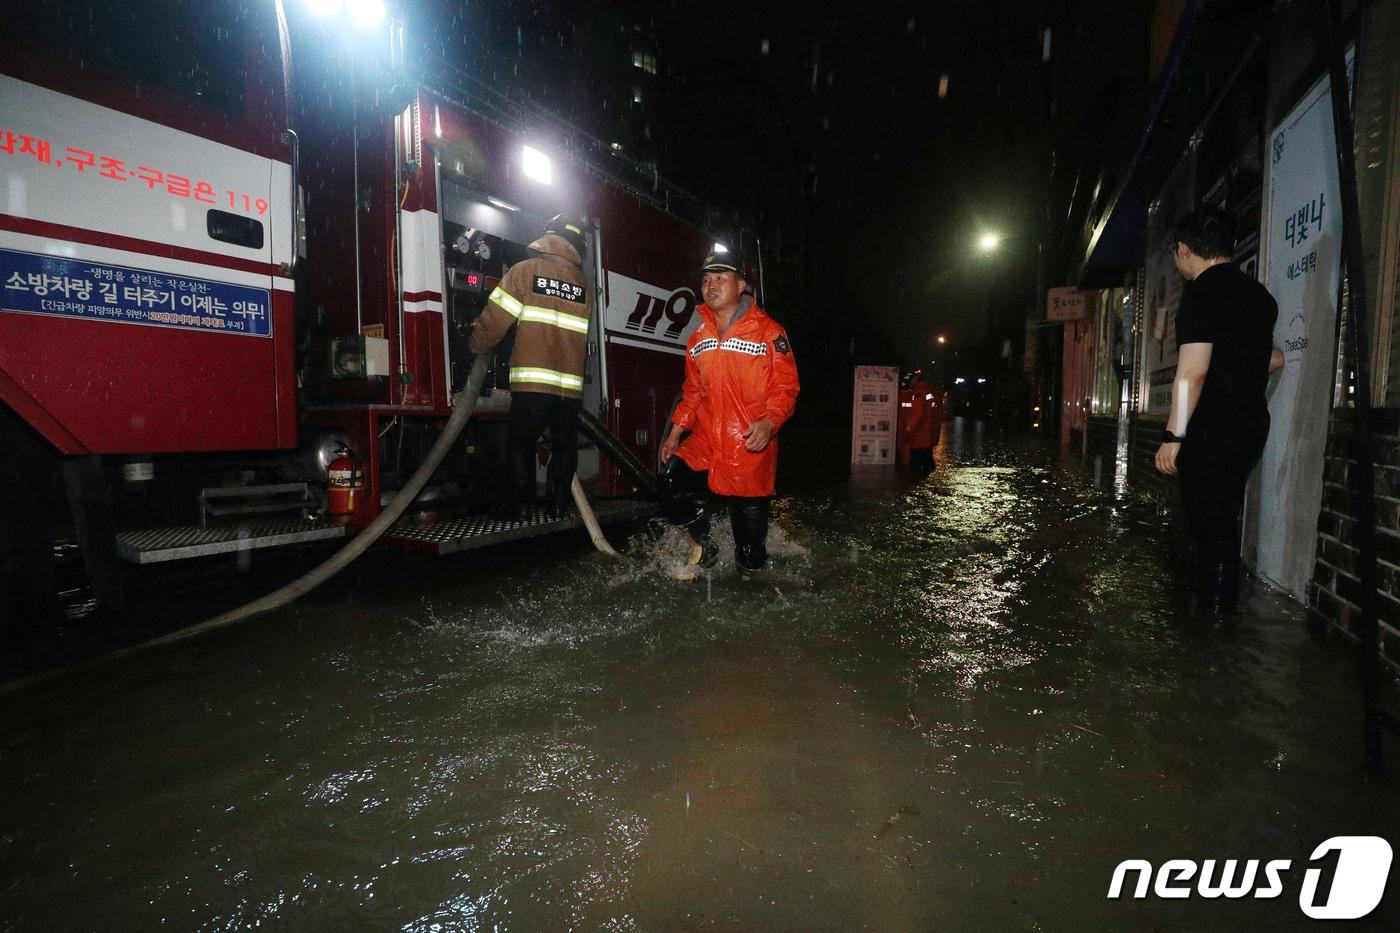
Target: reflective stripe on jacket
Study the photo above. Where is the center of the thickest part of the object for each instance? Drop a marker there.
(732, 380)
(546, 300)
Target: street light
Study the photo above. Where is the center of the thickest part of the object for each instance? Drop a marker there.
(942, 339)
(988, 242)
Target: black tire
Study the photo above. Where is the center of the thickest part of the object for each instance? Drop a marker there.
(26, 528)
(26, 565)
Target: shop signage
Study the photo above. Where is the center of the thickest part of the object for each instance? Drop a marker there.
(1066, 304)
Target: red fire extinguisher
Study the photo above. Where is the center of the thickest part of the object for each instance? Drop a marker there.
(346, 483)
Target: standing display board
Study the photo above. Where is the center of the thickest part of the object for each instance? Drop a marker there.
(873, 415)
(1302, 266)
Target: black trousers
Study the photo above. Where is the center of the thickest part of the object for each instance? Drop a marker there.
(531, 414)
(1214, 469)
(689, 504)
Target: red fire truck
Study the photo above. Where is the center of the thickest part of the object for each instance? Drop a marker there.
(223, 279)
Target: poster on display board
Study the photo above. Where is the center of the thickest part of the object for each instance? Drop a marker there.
(873, 415)
(1302, 269)
(1164, 287)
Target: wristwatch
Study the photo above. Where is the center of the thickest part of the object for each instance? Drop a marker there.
(1170, 438)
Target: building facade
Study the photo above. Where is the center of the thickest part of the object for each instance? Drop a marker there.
(1239, 118)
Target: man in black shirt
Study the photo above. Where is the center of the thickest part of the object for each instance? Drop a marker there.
(1219, 415)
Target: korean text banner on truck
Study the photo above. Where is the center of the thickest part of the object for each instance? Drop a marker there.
(51, 285)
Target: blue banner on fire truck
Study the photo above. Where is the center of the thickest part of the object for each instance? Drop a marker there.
(34, 284)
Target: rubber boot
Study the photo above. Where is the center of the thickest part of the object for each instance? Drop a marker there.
(520, 497)
(1230, 588)
(1217, 586)
(749, 517)
(554, 497)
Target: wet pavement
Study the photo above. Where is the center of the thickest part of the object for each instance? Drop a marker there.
(954, 702)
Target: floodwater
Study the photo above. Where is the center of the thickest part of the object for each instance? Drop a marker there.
(954, 702)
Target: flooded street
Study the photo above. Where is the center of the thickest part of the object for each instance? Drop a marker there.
(953, 702)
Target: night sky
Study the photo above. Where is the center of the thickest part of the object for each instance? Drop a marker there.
(848, 94)
(914, 178)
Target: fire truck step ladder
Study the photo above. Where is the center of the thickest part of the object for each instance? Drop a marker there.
(460, 534)
(155, 545)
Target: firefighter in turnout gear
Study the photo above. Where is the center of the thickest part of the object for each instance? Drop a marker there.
(740, 387)
(546, 300)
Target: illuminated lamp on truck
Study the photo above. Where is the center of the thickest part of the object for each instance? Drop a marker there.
(537, 165)
(365, 13)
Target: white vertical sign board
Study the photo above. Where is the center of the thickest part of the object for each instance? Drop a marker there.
(873, 415)
(1303, 251)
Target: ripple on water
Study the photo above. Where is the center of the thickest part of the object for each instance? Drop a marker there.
(986, 662)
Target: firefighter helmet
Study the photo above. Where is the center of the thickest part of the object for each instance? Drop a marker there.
(571, 229)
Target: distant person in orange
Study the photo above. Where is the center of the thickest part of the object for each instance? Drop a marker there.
(920, 422)
(740, 387)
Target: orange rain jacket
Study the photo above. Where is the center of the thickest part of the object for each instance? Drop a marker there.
(920, 418)
(732, 380)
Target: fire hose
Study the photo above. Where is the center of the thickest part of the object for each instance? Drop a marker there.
(625, 460)
(590, 521)
(465, 404)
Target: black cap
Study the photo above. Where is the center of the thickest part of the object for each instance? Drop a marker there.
(570, 228)
(723, 262)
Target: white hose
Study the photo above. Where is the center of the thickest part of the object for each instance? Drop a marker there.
(595, 531)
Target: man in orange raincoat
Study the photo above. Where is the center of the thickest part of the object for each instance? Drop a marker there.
(740, 387)
(920, 422)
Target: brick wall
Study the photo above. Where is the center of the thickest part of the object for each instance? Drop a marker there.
(1103, 438)
(1144, 437)
(1332, 594)
(1101, 449)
